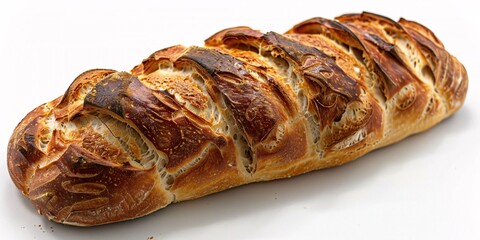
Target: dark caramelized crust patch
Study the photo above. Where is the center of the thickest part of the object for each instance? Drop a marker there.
(316, 65)
(72, 101)
(245, 96)
(155, 114)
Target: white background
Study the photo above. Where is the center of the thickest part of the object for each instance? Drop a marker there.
(425, 187)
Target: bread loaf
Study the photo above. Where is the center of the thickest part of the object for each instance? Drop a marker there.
(247, 107)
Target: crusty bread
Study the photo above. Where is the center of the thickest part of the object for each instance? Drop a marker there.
(247, 107)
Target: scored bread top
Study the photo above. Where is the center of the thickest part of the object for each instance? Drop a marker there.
(247, 107)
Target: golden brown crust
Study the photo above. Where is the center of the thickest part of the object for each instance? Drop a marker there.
(248, 107)
(81, 189)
